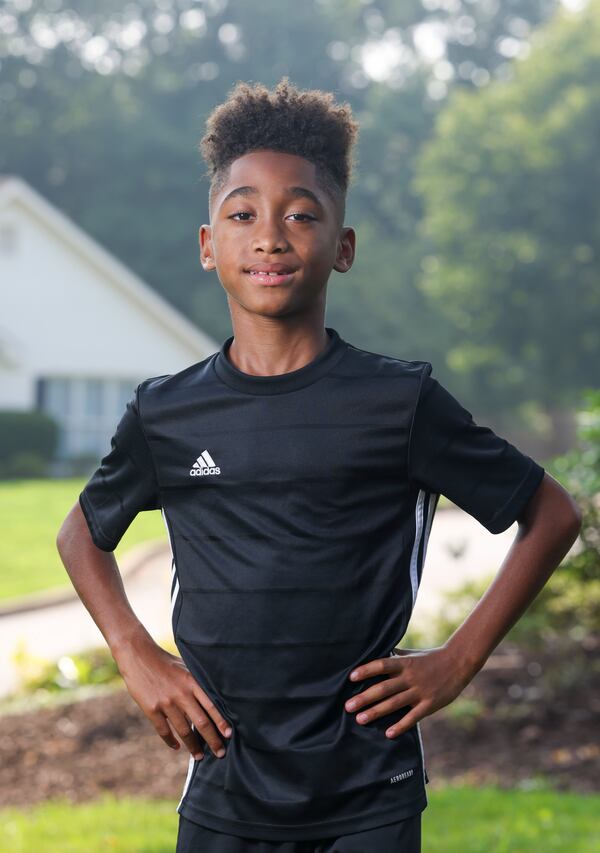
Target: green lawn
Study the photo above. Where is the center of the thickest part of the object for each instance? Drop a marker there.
(465, 820)
(31, 512)
(488, 819)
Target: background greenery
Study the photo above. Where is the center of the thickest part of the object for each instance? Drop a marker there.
(474, 198)
(498, 821)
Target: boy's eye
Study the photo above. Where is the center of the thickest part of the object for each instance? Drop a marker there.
(245, 213)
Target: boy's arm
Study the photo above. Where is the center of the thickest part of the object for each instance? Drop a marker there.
(548, 527)
(429, 679)
(496, 483)
(159, 682)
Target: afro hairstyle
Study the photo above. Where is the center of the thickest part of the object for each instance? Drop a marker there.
(304, 122)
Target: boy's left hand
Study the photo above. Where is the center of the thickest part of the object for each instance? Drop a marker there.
(425, 679)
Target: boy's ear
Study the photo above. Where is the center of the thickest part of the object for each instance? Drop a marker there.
(346, 250)
(206, 252)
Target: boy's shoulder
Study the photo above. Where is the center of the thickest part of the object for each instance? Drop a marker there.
(192, 375)
(370, 363)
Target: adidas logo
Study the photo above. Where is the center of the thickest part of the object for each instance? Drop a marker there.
(204, 465)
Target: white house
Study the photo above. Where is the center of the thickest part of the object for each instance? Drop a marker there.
(78, 330)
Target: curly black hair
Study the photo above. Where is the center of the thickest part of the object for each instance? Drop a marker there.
(304, 122)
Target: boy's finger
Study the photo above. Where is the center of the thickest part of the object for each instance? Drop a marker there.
(383, 709)
(205, 725)
(409, 720)
(159, 721)
(379, 666)
(182, 726)
(211, 709)
(388, 687)
(186, 730)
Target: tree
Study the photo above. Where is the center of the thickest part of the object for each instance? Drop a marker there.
(102, 105)
(510, 183)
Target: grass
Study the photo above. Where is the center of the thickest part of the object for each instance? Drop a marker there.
(490, 820)
(461, 819)
(126, 824)
(31, 512)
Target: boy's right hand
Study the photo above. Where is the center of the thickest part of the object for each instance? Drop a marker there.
(169, 696)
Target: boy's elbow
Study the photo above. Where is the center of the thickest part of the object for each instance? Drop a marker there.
(70, 528)
(63, 536)
(556, 508)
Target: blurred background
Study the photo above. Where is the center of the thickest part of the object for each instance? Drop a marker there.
(475, 201)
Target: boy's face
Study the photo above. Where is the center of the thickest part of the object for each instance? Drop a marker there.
(272, 213)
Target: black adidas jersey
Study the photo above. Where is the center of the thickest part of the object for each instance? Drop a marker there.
(298, 509)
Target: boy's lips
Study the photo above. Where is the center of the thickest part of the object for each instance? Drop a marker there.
(270, 274)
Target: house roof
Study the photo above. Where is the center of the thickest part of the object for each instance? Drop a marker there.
(14, 189)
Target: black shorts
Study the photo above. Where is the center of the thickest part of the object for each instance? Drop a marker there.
(404, 836)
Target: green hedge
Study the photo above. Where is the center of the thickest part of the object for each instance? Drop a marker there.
(28, 441)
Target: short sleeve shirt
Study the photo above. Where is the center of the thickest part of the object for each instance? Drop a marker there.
(298, 508)
(467, 462)
(124, 484)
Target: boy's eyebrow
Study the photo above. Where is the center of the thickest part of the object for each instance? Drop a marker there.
(298, 192)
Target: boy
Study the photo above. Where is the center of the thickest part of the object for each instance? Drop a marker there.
(298, 477)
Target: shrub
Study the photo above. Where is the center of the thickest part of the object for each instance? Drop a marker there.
(43, 677)
(28, 441)
(27, 463)
(568, 606)
(579, 472)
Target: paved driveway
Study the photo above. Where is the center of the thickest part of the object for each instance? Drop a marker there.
(65, 628)
(459, 548)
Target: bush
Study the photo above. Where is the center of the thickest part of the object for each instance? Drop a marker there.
(42, 677)
(82, 465)
(570, 603)
(567, 609)
(95, 666)
(28, 442)
(579, 472)
(27, 463)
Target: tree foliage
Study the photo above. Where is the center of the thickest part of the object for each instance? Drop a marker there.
(510, 181)
(102, 107)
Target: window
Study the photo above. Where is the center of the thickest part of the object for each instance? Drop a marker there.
(93, 399)
(87, 410)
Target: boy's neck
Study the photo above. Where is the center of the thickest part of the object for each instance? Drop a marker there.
(265, 346)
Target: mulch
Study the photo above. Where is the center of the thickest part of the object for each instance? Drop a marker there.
(525, 715)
